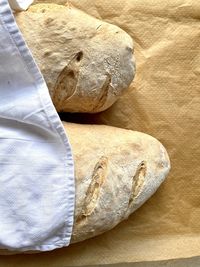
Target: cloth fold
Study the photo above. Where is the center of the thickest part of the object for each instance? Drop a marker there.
(37, 190)
(20, 4)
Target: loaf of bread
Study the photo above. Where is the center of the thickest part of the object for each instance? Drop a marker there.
(87, 63)
(116, 171)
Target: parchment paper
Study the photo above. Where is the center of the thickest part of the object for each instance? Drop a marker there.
(163, 101)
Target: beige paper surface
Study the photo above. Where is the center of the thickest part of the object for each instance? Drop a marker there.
(163, 101)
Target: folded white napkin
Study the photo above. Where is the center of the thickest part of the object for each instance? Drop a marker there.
(36, 165)
(20, 4)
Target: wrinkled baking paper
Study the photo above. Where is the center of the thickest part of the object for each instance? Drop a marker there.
(163, 101)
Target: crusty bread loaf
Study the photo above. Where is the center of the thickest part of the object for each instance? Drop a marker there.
(116, 171)
(87, 63)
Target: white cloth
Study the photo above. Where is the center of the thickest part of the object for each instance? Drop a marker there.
(20, 4)
(37, 189)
